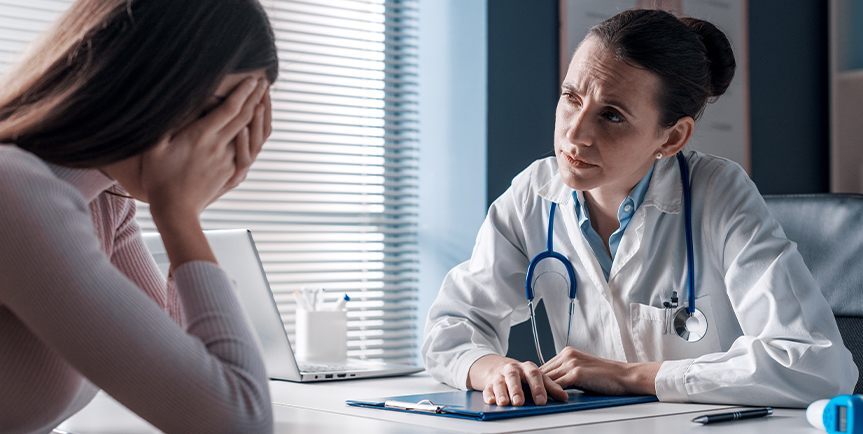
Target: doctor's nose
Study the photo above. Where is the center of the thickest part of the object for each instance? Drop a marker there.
(578, 130)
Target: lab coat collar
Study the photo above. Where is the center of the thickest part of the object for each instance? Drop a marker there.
(557, 191)
(665, 191)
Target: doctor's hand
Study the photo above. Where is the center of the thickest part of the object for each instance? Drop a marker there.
(503, 381)
(576, 369)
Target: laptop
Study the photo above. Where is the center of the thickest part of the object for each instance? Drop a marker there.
(235, 250)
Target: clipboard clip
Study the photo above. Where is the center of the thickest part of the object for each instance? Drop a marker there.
(425, 405)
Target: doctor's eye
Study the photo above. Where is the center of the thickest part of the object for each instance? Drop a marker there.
(571, 99)
(612, 116)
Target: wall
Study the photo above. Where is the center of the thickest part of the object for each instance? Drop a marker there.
(788, 90)
(452, 82)
(523, 86)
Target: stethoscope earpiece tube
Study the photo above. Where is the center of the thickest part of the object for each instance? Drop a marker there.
(687, 209)
(690, 325)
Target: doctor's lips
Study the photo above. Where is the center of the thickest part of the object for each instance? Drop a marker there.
(577, 163)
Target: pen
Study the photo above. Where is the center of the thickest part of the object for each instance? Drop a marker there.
(340, 303)
(734, 415)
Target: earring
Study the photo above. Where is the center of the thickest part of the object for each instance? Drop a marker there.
(659, 155)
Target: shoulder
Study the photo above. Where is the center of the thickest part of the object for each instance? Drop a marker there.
(727, 196)
(17, 164)
(27, 183)
(536, 176)
(709, 169)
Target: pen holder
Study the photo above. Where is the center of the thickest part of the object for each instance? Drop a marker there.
(322, 335)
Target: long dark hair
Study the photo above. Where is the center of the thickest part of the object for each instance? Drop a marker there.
(692, 58)
(112, 77)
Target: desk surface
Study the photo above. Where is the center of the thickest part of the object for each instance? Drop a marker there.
(320, 408)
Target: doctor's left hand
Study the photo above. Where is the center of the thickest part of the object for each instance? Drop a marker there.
(576, 369)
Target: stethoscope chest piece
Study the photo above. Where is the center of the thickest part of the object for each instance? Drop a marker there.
(690, 328)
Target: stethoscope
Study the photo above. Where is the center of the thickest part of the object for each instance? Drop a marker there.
(689, 323)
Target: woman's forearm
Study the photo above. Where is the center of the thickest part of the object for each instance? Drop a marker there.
(183, 237)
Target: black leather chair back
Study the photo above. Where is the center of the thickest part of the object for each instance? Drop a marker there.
(828, 230)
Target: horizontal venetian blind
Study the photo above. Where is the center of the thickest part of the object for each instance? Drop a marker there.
(21, 22)
(331, 200)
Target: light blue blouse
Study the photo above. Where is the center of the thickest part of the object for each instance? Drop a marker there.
(624, 215)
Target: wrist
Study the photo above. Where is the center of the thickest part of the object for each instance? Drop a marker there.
(168, 212)
(641, 377)
(183, 238)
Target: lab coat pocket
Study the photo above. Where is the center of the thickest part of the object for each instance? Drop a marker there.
(654, 338)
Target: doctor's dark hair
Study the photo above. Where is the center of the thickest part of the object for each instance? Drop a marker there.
(692, 58)
(111, 78)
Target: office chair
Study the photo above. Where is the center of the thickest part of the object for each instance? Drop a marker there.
(828, 230)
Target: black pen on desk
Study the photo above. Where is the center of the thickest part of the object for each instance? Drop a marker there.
(734, 415)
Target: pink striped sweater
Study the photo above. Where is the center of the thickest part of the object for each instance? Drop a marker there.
(83, 307)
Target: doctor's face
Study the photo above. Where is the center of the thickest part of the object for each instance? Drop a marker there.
(607, 129)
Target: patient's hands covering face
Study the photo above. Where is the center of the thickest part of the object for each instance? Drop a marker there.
(194, 166)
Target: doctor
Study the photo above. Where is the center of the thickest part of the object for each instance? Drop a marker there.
(628, 105)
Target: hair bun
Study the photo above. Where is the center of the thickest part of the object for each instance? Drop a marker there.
(719, 54)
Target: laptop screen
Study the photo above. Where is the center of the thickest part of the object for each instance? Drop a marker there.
(235, 250)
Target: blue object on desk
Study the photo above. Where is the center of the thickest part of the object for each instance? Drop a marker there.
(841, 414)
(470, 405)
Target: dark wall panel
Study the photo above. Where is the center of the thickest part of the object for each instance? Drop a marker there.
(788, 58)
(522, 86)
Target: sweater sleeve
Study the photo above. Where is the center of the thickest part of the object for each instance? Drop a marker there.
(65, 290)
(131, 256)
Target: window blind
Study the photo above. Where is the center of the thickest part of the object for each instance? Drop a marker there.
(21, 22)
(332, 199)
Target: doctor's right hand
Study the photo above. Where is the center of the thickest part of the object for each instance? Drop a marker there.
(503, 381)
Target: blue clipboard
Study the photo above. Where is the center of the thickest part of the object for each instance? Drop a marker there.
(469, 405)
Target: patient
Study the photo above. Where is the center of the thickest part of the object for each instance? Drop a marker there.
(163, 101)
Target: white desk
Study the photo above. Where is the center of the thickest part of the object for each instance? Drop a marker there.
(320, 408)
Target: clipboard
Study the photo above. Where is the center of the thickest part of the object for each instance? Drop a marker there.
(470, 405)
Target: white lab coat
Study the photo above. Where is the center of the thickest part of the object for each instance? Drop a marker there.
(771, 337)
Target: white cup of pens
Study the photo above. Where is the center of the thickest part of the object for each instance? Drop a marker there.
(322, 327)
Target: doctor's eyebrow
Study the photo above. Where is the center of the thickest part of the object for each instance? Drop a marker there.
(568, 87)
